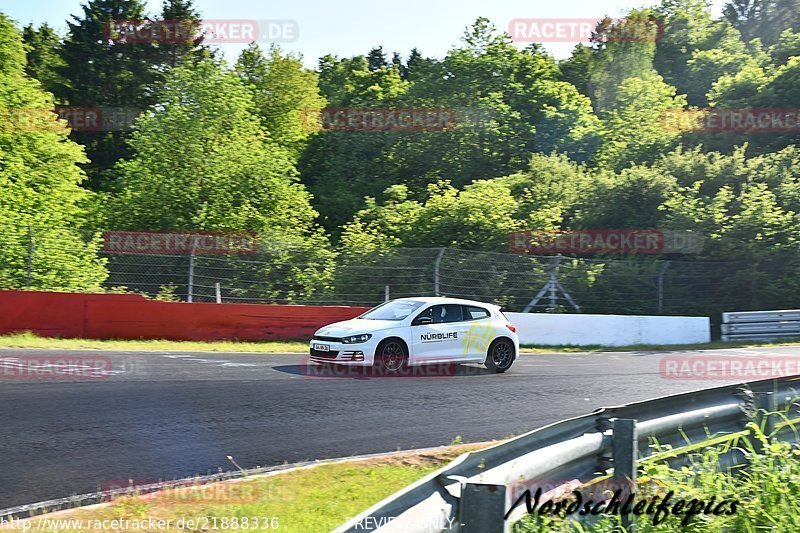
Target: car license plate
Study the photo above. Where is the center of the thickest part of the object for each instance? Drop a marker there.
(322, 347)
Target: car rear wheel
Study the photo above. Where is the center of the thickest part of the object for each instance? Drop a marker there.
(391, 357)
(500, 356)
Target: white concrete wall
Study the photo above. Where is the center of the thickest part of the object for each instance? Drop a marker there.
(609, 330)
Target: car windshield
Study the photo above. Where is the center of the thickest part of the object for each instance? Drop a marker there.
(395, 310)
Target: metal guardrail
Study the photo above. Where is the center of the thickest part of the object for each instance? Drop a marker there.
(761, 325)
(474, 492)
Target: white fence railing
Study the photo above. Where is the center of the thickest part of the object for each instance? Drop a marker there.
(761, 325)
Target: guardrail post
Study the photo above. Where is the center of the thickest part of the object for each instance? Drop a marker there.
(625, 451)
(766, 407)
(482, 508)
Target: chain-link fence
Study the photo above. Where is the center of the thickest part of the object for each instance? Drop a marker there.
(278, 272)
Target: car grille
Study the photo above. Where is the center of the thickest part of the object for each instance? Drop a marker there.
(327, 339)
(325, 355)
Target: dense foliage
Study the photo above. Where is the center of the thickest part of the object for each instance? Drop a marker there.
(535, 143)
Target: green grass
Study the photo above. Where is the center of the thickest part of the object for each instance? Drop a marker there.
(30, 340)
(302, 501)
(714, 345)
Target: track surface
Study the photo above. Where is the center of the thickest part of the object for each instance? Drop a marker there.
(168, 415)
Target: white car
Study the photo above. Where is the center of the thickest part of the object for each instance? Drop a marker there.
(416, 331)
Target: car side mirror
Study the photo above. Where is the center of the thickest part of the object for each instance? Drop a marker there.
(421, 321)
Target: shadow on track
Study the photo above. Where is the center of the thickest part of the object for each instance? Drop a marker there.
(359, 372)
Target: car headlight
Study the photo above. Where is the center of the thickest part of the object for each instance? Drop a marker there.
(355, 339)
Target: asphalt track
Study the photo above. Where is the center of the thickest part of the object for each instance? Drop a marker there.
(166, 415)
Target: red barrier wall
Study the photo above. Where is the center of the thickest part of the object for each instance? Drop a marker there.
(130, 316)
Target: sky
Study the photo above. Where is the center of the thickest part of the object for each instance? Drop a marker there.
(351, 27)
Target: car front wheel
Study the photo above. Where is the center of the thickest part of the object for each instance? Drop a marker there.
(391, 357)
(500, 356)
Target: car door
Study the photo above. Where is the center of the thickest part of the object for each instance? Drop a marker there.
(437, 333)
(480, 331)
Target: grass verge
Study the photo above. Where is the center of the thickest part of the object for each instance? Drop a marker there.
(305, 500)
(31, 340)
(714, 345)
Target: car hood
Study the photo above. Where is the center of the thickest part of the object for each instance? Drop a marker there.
(356, 326)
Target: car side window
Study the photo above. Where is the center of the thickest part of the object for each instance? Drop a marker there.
(475, 313)
(426, 313)
(447, 313)
(441, 314)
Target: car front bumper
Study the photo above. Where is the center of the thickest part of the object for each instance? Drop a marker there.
(360, 354)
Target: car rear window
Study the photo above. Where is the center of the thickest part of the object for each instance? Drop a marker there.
(475, 313)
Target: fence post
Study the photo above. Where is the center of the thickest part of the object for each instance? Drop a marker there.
(625, 451)
(436, 271)
(31, 249)
(191, 271)
(553, 281)
(218, 291)
(660, 283)
(386, 293)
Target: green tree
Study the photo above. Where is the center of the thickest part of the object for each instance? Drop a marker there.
(376, 59)
(575, 69)
(42, 203)
(416, 66)
(634, 131)
(747, 16)
(231, 176)
(350, 82)
(549, 191)
(622, 49)
(686, 26)
(103, 72)
(763, 19)
(788, 46)
(42, 54)
(286, 95)
(479, 217)
(771, 88)
(728, 56)
(507, 103)
(171, 53)
(629, 199)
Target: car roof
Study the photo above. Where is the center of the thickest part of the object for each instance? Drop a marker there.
(446, 300)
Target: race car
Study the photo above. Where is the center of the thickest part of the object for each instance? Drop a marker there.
(416, 331)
